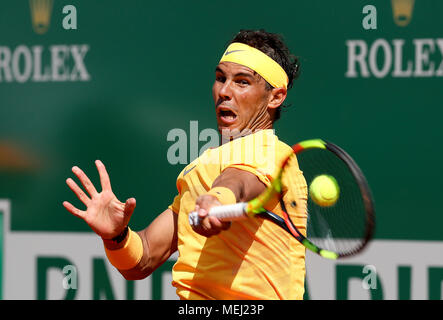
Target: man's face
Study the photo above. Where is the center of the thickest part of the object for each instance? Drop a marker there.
(240, 97)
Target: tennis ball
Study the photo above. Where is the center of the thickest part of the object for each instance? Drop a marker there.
(324, 190)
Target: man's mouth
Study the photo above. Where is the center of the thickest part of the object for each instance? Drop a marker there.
(226, 115)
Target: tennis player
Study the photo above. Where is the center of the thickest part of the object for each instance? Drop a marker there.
(245, 259)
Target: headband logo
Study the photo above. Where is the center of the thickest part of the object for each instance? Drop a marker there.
(229, 52)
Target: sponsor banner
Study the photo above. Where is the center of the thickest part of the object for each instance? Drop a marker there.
(56, 63)
(69, 265)
(383, 57)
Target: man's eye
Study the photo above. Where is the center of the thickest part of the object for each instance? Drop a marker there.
(220, 78)
(243, 82)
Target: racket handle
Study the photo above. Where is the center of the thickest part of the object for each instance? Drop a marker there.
(223, 213)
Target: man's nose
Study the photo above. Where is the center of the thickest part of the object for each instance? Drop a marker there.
(225, 92)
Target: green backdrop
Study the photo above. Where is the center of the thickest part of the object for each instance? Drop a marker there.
(151, 68)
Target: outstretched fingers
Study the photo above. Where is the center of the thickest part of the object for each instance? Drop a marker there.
(104, 177)
(78, 191)
(129, 207)
(85, 181)
(76, 212)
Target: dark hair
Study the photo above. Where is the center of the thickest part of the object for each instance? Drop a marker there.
(272, 45)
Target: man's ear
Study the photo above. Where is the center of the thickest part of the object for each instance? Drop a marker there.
(277, 97)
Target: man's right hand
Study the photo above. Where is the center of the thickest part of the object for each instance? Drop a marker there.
(105, 214)
(209, 225)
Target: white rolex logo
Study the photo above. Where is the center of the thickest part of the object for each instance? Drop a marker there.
(23, 63)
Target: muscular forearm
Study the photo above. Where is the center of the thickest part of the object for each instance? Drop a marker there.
(146, 266)
(243, 184)
(159, 242)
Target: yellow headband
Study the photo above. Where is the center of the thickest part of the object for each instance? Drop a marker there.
(258, 61)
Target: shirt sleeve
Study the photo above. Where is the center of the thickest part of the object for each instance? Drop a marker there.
(175, 205)
(259, 155)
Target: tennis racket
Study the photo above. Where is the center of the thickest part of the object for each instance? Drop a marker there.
(333, 231)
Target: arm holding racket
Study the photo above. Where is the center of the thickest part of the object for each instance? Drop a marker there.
(338, 230)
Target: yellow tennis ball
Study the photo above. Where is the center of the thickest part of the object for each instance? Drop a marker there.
(324, 190)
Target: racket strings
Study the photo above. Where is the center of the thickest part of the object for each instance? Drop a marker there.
(340, 227)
